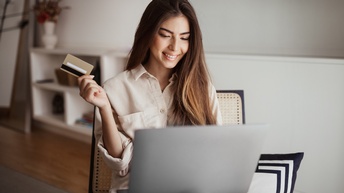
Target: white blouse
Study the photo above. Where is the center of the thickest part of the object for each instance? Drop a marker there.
(138, 103)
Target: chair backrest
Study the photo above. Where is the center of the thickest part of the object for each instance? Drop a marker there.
(233, 112)
(232, 106)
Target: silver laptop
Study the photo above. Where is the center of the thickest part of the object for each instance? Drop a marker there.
(196, 159)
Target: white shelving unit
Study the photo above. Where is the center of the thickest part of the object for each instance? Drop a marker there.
(45, 86)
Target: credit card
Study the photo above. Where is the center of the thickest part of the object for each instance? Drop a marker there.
(75, 66)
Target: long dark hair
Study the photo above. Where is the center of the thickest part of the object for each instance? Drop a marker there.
(191, 97)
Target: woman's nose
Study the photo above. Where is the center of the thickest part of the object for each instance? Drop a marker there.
(174, 45)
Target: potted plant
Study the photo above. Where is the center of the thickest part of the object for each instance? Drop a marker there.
(47, 13)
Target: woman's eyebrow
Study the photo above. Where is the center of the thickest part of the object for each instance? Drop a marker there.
(169, 31)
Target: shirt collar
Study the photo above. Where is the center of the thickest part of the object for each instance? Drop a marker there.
(140, 71)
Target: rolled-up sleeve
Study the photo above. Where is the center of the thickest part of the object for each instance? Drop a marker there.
(118, 165)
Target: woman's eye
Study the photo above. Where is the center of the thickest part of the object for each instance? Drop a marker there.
(185, 38)
(164, 35)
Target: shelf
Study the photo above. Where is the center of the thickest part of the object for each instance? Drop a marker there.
(74, 51)
(48, 95)
(83, 51)
(56, 87)
(57, 121)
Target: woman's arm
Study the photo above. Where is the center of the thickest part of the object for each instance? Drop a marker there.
(94, 94)
(111, 136)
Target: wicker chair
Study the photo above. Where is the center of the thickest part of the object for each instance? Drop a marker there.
(232, 106)
(232, 110)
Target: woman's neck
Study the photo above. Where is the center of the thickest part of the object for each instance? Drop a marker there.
(161, 73)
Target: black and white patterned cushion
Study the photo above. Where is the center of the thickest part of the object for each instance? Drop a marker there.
(276, 173)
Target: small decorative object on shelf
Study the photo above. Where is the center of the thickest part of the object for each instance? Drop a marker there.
(47, 13)
(49, 37)
(65, 79)
(58, 104)
(86, 119)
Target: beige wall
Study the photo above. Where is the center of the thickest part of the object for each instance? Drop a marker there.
(302, 101)
(308, 28)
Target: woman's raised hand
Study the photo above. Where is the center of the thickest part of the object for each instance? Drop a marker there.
(91, 92)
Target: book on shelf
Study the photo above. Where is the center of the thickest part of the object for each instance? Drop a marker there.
(86, 119)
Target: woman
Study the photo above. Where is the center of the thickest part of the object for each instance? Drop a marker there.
(166, 82)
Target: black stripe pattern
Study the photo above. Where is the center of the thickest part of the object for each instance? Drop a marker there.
(71, 70)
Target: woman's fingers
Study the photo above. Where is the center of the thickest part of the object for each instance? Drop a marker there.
(83, 80)
(85, 77)
(89, 89)
(90, 93)
(87, 86)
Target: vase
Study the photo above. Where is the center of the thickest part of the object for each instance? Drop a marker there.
(49, 37)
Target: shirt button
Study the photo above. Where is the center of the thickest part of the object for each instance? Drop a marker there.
(162, 110)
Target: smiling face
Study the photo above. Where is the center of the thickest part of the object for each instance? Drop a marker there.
(170, 43)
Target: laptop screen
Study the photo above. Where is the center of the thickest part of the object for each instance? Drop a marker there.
(198, 159)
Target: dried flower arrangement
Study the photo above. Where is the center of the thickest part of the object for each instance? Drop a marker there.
(48, 10)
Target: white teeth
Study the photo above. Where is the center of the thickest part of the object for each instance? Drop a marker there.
(171, 57)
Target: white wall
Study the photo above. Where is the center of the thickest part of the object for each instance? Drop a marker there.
(302, 99)
(105, 23)
(273, 27)
(292, 27)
